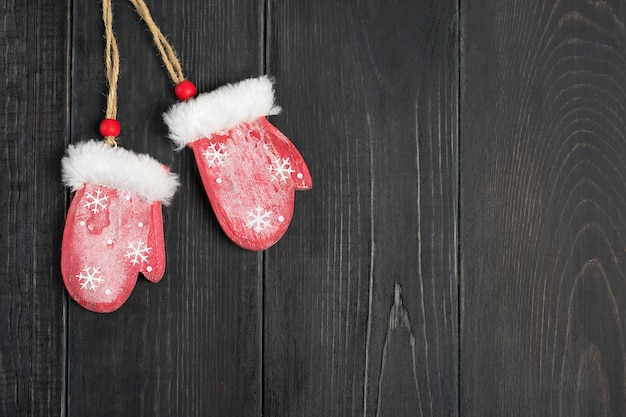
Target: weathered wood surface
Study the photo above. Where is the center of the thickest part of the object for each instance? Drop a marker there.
(542, 208)
(356, 310)
(370, 96)
(34, 133)
(224, 332)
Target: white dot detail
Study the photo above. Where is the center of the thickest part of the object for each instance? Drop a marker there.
(149, 269)
(299, 175)
(110, 242)
(140, 224)
(82, 223)
(127, 197)
(107, 292)
(219, 180)
(281, 219)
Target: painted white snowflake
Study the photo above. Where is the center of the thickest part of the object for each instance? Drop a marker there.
(215, 155)
(138, 253)
(89, 277)
(96, 202)
(259, 218)
(282, 169)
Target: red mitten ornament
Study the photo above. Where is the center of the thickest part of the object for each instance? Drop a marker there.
(114, 226)
(248, 167)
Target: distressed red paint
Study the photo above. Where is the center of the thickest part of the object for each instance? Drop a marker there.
(110, 236)
(250, 173)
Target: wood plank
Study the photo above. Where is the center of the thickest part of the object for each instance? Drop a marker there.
(189, 345)
(361, 293)
(542, 209)
(33, 121)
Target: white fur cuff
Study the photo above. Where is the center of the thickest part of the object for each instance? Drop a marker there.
(221, 109)
(96, 162)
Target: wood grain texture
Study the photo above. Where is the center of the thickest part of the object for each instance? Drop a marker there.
(542, 208)
(33, 122)
(355, 312)
(370, 94)
(189, 345)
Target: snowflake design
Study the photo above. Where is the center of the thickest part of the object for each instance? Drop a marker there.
(282, 169)
(215, 155)
(96, 202)
(91, 277)
(139, 252)
(259, 219)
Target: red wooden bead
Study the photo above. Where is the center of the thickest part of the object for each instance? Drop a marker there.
(109, 127)
(185, 90)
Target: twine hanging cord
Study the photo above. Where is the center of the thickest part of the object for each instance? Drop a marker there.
(168, 55)
(112, 63)
(109, 128)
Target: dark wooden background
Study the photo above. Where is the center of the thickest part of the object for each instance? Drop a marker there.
(462, 252)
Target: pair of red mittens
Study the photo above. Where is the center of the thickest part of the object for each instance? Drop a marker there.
(249, 169)
(114, 226)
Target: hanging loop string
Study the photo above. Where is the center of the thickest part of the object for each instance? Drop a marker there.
(184, 89)
(168, 55)
(110, 127)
